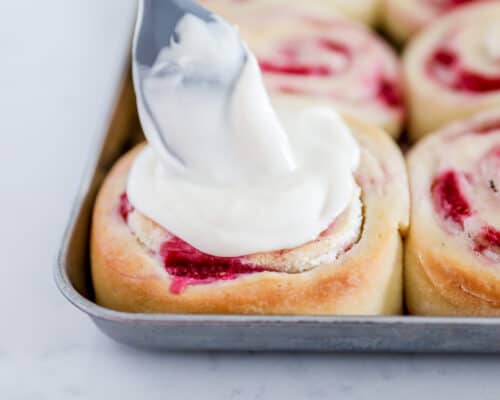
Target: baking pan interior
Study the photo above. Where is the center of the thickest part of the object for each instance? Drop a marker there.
(123, 132)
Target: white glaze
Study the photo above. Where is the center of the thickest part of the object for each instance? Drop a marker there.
(254, 180)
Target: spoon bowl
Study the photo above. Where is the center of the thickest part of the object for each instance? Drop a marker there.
(156, 29)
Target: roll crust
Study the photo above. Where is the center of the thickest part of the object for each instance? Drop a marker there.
(366, 280)
(444, 273)
(436, 99)
(364, 11)
(398, 20)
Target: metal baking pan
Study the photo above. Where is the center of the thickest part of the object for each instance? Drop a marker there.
(239, 332)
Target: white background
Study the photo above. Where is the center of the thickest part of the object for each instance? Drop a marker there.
(58, 71)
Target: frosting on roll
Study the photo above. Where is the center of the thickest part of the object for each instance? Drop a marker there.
(245, 178)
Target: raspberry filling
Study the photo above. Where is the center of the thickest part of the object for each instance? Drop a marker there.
(295, 69)
(189, 266)
(447, 5)
(444, 65)
(448, 199)
(125, 208)
(389, 93)
(488, 239)
(488, 128)
(290, 62)
(451, 204)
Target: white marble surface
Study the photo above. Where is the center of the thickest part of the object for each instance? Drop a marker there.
(57, 74)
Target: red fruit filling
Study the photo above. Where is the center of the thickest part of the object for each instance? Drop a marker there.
(125, 207)
(488, 239)
(444, 66)
(488, 128)
(389, 93)
(448, 199)
(444, 58)
(295, 68)
(289, 62)
(450, 202)
(335, 47)
(189, 266)
(446, 5)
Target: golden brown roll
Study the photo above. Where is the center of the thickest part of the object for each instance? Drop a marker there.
(364, 11)
(401, 19)
(452, 69)
(452, 263)
(137, 266)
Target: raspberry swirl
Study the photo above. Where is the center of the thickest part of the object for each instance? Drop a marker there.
(439, 6)
(459, 65)
(465, 189)
(187, 266)
(308, 53)
(453, 68)
(335, 61)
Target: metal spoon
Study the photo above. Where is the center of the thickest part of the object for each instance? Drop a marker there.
(155, 30)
